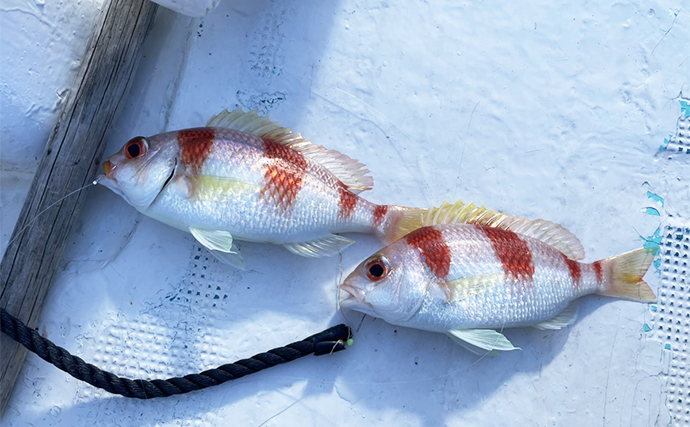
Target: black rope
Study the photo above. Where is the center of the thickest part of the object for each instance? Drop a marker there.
(325, 342)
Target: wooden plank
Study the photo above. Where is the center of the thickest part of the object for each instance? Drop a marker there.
(71, 160)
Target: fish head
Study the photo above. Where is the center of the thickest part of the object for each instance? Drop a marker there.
(390, 285)
(141, 169)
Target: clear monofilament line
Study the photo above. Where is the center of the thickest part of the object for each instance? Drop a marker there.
(19, 233)
(350, 340)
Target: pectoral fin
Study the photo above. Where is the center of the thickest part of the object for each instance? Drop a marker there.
(233, 259)
(318, 248)
(466, 287)
(479, 340)
(219, 243)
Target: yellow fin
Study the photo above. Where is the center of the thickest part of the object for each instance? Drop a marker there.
(623, 276)
(249, 122)
(349, 171)
(460, 213)
(399, 221)
(548, 232)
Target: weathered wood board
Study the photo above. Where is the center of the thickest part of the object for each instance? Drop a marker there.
(71, 160)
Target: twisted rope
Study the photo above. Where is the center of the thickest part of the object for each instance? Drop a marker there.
(325, 342)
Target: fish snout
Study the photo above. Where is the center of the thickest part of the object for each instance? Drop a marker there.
(349, 292)
(108, 168)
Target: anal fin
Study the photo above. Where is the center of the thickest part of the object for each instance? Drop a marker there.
(565, 318)
(478, 340)
(233, 259)
(318, 248)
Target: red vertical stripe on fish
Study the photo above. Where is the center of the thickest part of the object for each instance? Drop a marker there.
(598, 272)
(195, 146)
(434, 250)
(574, 268)
(380, 212)
(513, 253)
(284, 176)
(348, 202)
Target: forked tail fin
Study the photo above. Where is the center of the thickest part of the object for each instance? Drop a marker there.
(622, 276)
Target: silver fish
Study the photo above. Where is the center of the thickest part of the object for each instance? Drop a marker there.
(243, 177)
(470, 271)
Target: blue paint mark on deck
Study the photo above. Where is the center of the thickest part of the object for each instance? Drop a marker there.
(685, 108)
(656, 198)
(653, 242)
(653, 245)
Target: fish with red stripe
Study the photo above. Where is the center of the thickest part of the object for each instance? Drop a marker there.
(470, 271)
(243, 177)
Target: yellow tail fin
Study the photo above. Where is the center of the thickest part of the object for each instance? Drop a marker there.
(623, 276)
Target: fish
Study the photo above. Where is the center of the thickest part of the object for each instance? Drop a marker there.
(470, 272)
(243, 177)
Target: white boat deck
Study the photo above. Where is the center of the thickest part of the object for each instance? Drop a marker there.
(546, 110)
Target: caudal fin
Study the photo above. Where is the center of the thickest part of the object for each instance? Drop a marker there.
(397, 221)
(622, 276)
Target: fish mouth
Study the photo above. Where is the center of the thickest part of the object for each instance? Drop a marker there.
(108, 168)
(350, 297)
(108, 180)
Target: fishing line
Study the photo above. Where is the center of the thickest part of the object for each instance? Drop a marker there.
(350, 339)
(328, 341)
(19, 233)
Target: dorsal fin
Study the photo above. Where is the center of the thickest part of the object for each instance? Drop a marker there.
(349, 171)
(460, 213)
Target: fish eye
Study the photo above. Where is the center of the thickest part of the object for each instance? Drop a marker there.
(136, 147)
(377, 267)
